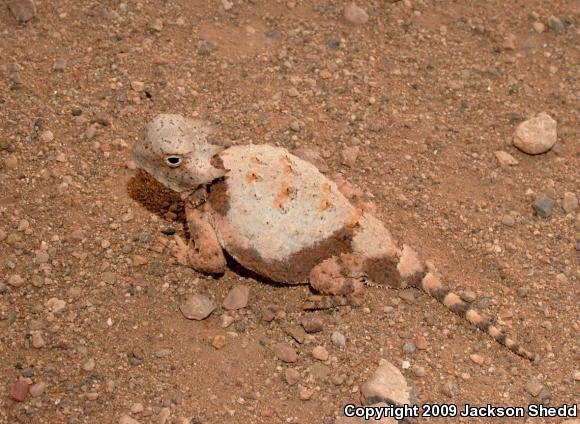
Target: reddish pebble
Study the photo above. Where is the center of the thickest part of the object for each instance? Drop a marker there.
(421, 342)
(19, 391)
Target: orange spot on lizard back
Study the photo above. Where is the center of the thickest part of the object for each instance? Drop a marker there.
(283, 195)
(256, 160)
(252, 176)
(324, 205)
(326, 188)
(287, 165)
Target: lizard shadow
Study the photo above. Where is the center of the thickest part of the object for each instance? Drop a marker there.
(157, 199)
(240, 270)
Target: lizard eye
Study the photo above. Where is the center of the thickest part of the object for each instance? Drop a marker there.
(173, 161)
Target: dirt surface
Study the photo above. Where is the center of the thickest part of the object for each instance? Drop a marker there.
(410, 106)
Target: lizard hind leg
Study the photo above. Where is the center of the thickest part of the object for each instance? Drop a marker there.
(340, 277)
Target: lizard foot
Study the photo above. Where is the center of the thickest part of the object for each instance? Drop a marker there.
(180, 251)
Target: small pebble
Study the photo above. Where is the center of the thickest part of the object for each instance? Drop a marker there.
(285, 352)
(338, 339)
(409, 348)
(23, 10)
(11, 162)
(450, 388)
(349, 155)
(59, 65)
(292, 376)
(19, 391)
(419, 371)
(476, 358)
(320, 353)
(102, 118)
(534, 387)
(37, 340)
(543, 206)
(508, 221)
(219, 341)
(37, 389)
(539, 27)
(421, 342)
(305, 393)
(137, 408)
(16, 280)
(536, 135)
(355, 14)
(237, 298)
(197, 307)
(555, 24)
(88, 365)
(505, 159)
(205, 48)
(312, 324)
(295, 126)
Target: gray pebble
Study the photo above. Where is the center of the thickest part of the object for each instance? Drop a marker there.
(555, 24)
(205, 48)
(59, 65)
(333, 42)
(409, 347)
(543, 206)
(338, 339)
(450, 388)
(295, 126)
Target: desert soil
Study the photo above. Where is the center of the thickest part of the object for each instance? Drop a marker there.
(410, 105)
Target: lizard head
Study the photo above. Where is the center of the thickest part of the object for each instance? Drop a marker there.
(176, 153)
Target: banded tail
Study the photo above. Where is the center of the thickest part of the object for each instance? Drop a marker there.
(412, 272)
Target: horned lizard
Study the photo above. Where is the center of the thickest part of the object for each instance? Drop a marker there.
(278, 216)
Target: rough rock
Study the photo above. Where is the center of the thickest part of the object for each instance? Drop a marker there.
(55, 305)
(19, 391)
(534, 387)
(338, 339)
(312, 324)
(285, 352)
(37, 389)
(218, 341)
(385, 385)
(23, 10)
(539, 27)
(197, 306)
(320, 353)
(505, 159)
(16, 281)
(355, 14)
(292, 376)
(543, 206)
(349, 155)
(237, 298)
(536, 135)
(555, 24)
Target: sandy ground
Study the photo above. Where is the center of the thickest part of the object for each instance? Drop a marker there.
(410, 105)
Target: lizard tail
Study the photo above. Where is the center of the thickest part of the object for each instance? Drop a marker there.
(412, 272)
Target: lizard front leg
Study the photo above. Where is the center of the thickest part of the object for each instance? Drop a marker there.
(203, 252)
